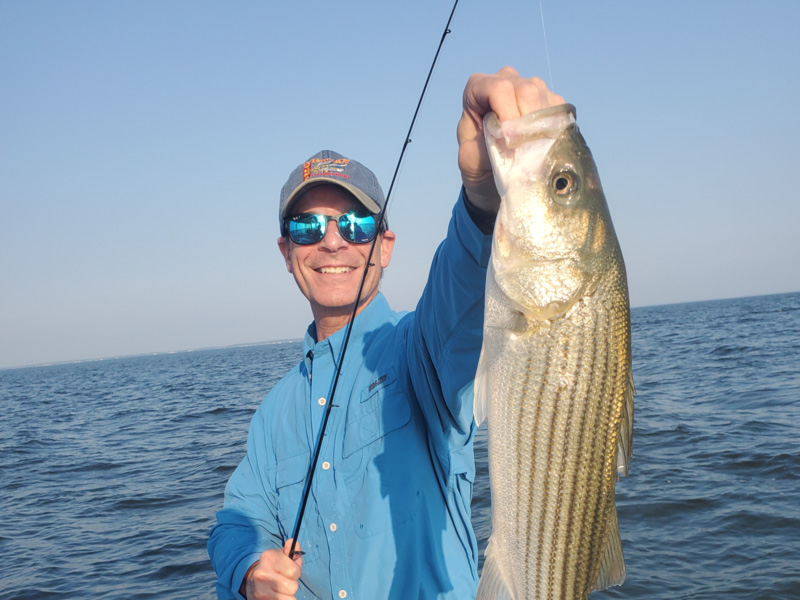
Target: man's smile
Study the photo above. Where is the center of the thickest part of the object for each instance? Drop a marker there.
(334, 270)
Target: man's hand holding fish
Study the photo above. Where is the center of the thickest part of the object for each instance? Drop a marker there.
(509, 96)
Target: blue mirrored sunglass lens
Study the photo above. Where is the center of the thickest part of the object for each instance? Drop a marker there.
(307, 230)
(357, 229)
(310, 229)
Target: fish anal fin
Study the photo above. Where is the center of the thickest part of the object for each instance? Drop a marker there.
(625, 439)
(612, 568)
(492, 585)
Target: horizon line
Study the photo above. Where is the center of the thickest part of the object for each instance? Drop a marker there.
(300, 339)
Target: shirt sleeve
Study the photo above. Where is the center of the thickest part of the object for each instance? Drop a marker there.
(247, 524)
(446, 338)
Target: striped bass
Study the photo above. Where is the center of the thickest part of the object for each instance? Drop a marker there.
(554, 377)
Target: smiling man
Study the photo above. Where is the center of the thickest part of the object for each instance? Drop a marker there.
(388, 515)
(327, 234)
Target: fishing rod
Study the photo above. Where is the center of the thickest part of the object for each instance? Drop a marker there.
(317, 446)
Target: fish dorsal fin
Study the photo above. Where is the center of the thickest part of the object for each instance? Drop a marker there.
(612, 569)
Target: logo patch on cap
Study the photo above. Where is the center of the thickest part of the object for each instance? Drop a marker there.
(325, 167)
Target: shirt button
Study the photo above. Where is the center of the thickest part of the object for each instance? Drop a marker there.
(321, 401)
(333, 526)
(342, 594)
(326, 465)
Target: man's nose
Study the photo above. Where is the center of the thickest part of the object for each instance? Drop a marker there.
(333, 238)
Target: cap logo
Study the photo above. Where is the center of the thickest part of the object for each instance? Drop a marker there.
(325, 167)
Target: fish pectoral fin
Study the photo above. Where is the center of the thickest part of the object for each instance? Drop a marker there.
(480, 403)
(511, 321)
(516, 323)
(612, 569)
(492, 585)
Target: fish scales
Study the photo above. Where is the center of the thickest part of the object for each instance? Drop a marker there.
(554, 376)
(555, 444)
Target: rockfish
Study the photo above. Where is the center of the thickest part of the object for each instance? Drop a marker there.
(554, 377)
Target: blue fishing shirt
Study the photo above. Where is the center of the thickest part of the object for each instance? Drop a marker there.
(388, 516)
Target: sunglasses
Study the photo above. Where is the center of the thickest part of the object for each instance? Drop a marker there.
(309, 228)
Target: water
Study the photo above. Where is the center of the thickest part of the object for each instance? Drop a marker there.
(112, 470)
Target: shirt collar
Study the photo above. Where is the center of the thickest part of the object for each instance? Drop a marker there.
(373, 315)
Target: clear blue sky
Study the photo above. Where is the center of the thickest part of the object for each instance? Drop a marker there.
(143, 146)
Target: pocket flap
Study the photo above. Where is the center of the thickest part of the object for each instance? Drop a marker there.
(380, 412)
(292, 470)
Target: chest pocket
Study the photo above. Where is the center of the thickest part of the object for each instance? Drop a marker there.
(290, 480)
(376, 442)
(381, 408)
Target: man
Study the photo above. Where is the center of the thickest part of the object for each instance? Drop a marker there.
(388, 515)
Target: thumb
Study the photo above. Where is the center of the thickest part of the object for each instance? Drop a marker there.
(297, 556)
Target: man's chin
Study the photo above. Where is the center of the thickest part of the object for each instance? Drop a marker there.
(334, 306)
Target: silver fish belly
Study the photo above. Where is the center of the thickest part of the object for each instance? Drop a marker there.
(554, 378)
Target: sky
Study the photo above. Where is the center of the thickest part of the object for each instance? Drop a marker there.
(143, 146)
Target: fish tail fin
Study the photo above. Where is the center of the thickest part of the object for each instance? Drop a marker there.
(480, 404)
(612, 569)
(492, 585)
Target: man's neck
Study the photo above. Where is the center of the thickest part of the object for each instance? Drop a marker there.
(328, 321)
(327, 326)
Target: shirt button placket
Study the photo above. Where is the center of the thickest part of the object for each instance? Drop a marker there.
(329, 512)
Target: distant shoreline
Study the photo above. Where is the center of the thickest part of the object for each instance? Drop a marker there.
(145, 354)
(291, 340)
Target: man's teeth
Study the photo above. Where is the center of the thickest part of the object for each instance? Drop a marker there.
(335, 269)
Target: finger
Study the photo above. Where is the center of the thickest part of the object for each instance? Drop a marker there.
(286, 567)
(484, 93)
(273, 562)
(532, 94)
(506, 93)
(287, 546)
(501, 93)
(270, 584)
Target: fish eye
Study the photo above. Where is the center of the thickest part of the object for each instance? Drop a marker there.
(564, 184)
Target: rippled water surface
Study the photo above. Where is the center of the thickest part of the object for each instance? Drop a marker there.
(111, 471)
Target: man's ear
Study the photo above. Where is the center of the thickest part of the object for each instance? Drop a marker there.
(387, 245)
(283, 245)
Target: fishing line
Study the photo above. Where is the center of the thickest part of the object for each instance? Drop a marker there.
(313, 466)
(546, 50)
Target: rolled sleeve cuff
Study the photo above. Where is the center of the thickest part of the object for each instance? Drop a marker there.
(474, 241)
(240, 571)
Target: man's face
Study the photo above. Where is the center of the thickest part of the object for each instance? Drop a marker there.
(329, 272)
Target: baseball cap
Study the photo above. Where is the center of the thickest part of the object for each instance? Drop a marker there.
(330, 167)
